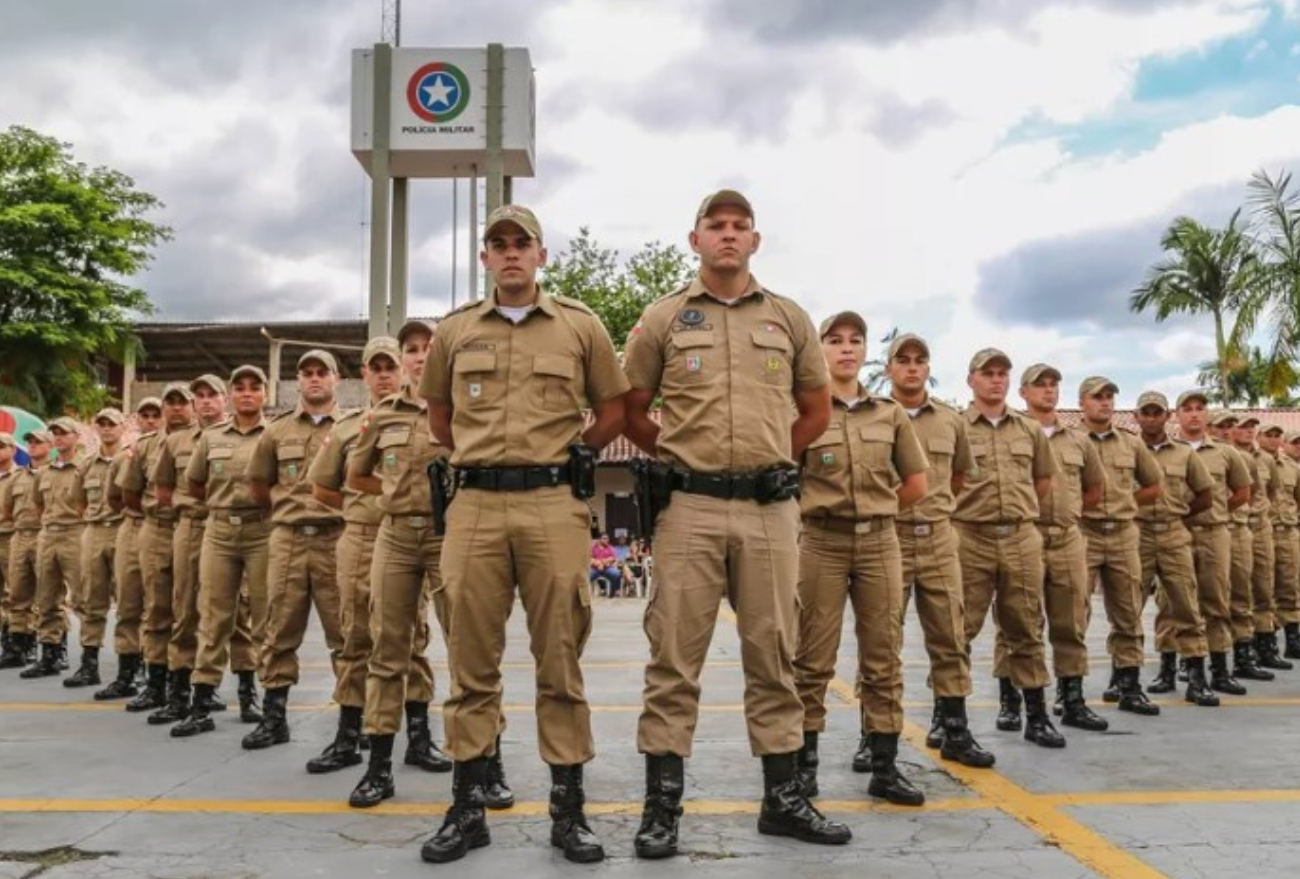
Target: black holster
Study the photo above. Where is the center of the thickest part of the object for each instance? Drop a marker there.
(582, 470)
(440, 491)
(654, 491)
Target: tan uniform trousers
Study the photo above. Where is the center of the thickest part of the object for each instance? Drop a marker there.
(4, 578)
(183, 646)
(98, 549)
(541, 540)
(58, 569)
(300, 574)
(1065, 598)
(130, 587)
(1002, 566)
(1167, 557)
(1212, 551)
(867, 569)
(156, 571)
(1115, 558)
(22, 580)
(1286, 585)
(1263, 606)
(1240, 604)
(932, 574)
(706, 550)
(354, 554)
(230, 553)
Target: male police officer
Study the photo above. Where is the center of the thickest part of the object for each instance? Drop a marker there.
(734, 363)
(20, 507)
(1252, 595)
(8, 647)
(1286, 545)
(1288, 558)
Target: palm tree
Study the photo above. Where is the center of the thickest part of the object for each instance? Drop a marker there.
(1275, 223)
(1248, 383)
(1209, 271)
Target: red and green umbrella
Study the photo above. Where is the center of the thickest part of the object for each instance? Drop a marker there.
(19, 422)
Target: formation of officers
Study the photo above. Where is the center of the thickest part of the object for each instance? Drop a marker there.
(781, 485)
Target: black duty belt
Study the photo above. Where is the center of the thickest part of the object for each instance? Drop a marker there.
(763, 486)
(512, 478)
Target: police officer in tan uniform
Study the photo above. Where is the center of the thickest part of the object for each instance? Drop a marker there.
(1263, 566)
(849, 551)
(128, 595)
(506, 380)
(98, 544)
(58, 551)
(1288, 557)
(8, 647)
(1000, 547)
(300, 568)
(234, 543)
(1211, 537)
(745, 389)
(1165, 545)
(1133, 478)
(1251, 597)
(20, 507)
(931, 568)
(1286, 545)
(1065, 565)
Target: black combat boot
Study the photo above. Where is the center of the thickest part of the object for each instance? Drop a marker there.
(29, 649)
(665, 780)
(178, 699)
(934, 738)
(806, 762)
(1243, 664)
(154, 694)
(1038, 724)
(1269, 657)
(14, 654)
(61, 660)
(87, 673)
(1221, 680)
(1166, 679)
(249, 710)
(5, 637)
(46, 667)
(465, 826)
(787, 812)
(497, 794)
(569, 828)
(1132, 699)
(1198, 691)
(1075, 711)
(345, 750)
(377, 784)
(274, 728)
(421, 750)
(1058, 704)
(958, 743)
(1112, 692)
(199, 720)
(1009, 703)
(886, 781)
(123, 685)
(862, 756)
(1291, 639)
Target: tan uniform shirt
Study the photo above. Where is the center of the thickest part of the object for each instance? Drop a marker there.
(58, 491)
(220, 461)
(850, 471)
(6, 518)
(169, 470)
(1261, 502)
(281, 459)
(136, 473)
(329, 469)
(1007, 459)
(727, 374)
(941, 431)
(1129, 465)
(1229, 473)
(113, 487)
(517, 390)
(1186, 476)
(22, 501)
(1286, 505)
(1242, 514)
(394, 439)
(92, 490)
(1080, 466)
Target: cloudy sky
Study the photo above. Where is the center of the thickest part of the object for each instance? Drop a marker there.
(984, 172)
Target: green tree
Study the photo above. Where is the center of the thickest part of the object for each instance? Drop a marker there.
(1209, 271)
(71, 238)
(1248, 382)
(619, 293)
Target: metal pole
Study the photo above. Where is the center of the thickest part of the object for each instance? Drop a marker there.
(473, 233)
(400, 240)
(379, 189)
(495, 135)
(455, 235)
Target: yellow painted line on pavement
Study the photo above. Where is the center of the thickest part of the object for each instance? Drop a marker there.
(1170, 797)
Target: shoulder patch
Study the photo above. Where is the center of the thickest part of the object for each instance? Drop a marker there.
(574, 304)
(289, 413)
(475, 303)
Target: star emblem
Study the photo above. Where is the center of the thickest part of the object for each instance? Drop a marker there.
(438, 92)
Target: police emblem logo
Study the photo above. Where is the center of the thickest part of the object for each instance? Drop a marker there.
(390, 459)
(828, 458)
(218, 467)
(438, 92)
(475, 390)
(293, 469)
(692, 317)
(773, 364)
(694, 363)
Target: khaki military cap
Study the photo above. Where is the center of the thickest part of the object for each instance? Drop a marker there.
(1244, 420)
(1223, 417)
(516, 214)
(1037, 371)
(7, 439)
(38, 436)
(414, 326)
(111, 415)
(385, 345)
(1271, 427)
(210, 381)
(986, 356)
(321, 356)
(1291, 436)
(901, 342)
(63, 424)
(178, 388)
(148, 402)
(852, 318)
(248, 369)
(1192, 395)
(724, 198)
(1153, 398)
(1095, 384)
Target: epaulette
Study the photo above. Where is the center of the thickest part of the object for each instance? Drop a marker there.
(879, 398)
(349, 415)
(575, 304)
(943, 404)
(473, 303)
(288, 413)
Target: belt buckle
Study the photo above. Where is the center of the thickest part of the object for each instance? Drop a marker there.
(417, 521)
(1003, 530)
(865, 527)
(309, 530)
(512, 479)
(922, 530)
(235, 520)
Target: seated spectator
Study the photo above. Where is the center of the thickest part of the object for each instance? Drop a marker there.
(605, 566)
